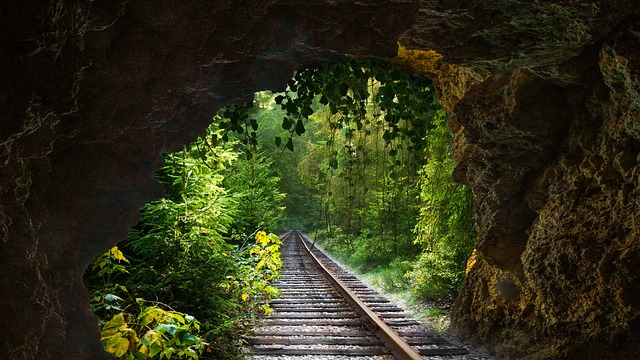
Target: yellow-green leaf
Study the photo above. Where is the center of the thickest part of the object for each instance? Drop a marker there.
(116, 345)
(117, 254)
(114, 325)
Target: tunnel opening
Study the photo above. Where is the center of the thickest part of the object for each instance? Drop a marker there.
(356, 153)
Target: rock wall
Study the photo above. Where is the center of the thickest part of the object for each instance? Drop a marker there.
(543, 98)
(556, 212)
(546, 117)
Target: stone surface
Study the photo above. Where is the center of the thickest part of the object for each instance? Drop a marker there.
(554, 167)
(543, 98)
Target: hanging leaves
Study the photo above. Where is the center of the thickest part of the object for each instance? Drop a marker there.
(344, 87)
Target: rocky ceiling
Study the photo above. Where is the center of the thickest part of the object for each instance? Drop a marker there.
(543, 98)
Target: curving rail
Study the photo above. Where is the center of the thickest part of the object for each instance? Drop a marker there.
(327, 311)
(398, 347)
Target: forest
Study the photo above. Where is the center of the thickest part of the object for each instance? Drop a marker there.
(357, 154)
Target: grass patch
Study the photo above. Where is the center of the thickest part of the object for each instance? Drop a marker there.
(390, 281)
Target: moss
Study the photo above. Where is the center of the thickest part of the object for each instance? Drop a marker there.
(552, 30)
(423, 62)
(451, 81)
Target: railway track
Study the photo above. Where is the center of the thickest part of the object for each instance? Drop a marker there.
(325, 311)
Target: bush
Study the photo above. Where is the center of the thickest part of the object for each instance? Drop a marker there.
(156, 333)
(225, 294)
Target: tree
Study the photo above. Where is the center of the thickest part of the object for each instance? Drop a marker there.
(256, 193)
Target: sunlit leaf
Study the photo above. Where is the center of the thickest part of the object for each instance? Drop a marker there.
(116, 344)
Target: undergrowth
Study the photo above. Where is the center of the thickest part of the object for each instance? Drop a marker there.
(393, 282)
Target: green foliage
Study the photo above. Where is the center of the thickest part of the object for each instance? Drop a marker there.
(357, 92)
(392, 277)
(108, 263)
(131, 328)
(180, 254)
(298, 208)
(238, 120)
(380, 165)
(256, 193)
(368, 120)
(257, 272)
(178, 246)
(445, 229)
(152, 332)
(107, 271)
(247, 285)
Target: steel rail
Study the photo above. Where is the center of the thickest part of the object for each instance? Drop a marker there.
(398, 346)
